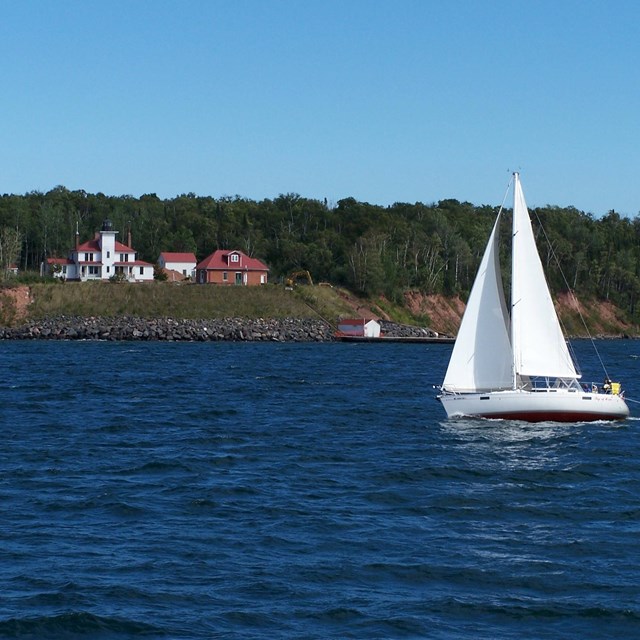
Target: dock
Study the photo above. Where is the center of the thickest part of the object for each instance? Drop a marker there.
(405, 339)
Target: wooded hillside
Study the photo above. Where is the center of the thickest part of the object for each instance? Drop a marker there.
(431, 248)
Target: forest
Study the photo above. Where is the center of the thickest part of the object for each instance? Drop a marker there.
(372, 249)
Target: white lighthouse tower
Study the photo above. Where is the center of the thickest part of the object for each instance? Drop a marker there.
(108, 249)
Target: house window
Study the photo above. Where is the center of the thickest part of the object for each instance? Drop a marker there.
(239, 277)
(94, 271)
(235, 257)
(141, 271)
(88, 257)
(64, 268)
(108, 254)
(107, 269)
(184, 272)
(225, 276)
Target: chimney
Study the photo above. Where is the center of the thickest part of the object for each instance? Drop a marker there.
(129, 237)
(77, 237)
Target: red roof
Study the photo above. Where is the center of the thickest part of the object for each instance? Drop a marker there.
(355, 322)
(173, 275)
(59, 261)
(132, 263)
(90, 245)
(178, 257)
(223, 259)
(94, 245)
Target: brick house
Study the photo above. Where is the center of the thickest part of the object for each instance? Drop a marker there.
(231, 267)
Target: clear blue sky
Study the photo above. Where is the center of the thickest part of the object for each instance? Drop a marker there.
(385, 101)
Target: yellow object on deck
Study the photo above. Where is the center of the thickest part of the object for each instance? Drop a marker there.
(615, 388)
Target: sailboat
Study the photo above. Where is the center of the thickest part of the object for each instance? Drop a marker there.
(515, 364)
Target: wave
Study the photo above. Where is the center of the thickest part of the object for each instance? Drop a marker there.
(77, 624)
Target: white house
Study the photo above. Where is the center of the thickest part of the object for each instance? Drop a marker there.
(100, 259)
(184, 263)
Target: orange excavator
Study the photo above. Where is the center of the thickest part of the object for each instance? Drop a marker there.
(296, 277)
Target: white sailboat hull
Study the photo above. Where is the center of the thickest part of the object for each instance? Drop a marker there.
(555, 405)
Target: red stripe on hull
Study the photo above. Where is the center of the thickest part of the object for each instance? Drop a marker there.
(552, 416)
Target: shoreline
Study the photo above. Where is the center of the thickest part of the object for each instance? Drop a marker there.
(133, 328)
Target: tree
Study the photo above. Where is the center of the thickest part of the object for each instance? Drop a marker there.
(10, 245)
(365, 264)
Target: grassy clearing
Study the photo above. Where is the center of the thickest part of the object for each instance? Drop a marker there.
(326, 302)
(190, 301)
(164, 299)
(401, 314)
(8, 308)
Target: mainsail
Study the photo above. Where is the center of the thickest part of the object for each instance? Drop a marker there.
(539, 347)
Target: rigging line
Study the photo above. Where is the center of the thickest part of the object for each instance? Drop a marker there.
(506, 194)
(504, 199)
(573, 297)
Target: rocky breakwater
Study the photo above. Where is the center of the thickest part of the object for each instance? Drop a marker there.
(395, 330)
(168, 329)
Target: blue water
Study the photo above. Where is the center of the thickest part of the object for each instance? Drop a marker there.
(161, 490)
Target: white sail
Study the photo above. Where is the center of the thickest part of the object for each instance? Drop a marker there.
(539, 347)
(481, 357)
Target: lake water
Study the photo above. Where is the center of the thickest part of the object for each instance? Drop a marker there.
(187, 491)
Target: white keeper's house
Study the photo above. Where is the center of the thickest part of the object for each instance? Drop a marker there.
(101, 259)
(178, 263)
